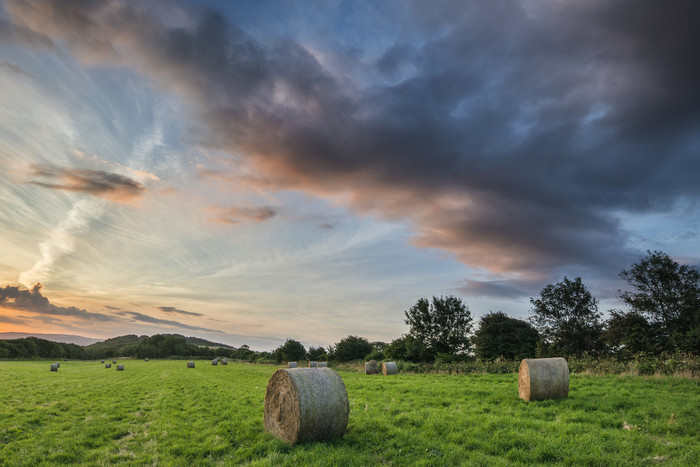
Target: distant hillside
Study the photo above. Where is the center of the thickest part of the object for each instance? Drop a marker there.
(64, 338)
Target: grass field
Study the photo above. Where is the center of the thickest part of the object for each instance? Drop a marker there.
(160, 412)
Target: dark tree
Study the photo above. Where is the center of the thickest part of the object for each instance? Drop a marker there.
(628, 333)
(352, 348)
(567, 318)
(290, 351)
(408, 348)
(316, 353)
(500, 336)
(668, 294)
(442, 325)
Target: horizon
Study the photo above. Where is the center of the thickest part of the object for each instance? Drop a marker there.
(257, 172)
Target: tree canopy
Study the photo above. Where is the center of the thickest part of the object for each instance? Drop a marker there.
(500, 336)
(442, 324)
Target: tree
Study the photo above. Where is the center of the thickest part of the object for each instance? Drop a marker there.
(442, 325)
(500, 336)
(628, 333)
(352, 348)
(668, 294)
(291, 351)
(410, 349)
(567, 318)
(316, 353)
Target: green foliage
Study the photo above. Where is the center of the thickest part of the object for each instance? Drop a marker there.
(442, 325)
(627, 334)
(161, 413)
(500, 336)
(290, 351)
(316, 354)
(669, 295)
(34, 347)
(351, 348)
(410, 349)
(567, 318)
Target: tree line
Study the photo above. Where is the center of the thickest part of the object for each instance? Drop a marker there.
(662, 317)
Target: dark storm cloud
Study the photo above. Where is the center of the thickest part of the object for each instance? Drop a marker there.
(140, 317)
(94, 182)
(172, 309)
(32, 300)
(508, 133)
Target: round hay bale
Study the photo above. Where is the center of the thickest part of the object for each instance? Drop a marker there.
(215, 362)
(371, 367)
(108, 365)
(190, 364)
(145, 359)
(292, 364)
(304, 404)
(322, 365)
(543, 378)
(114, 361)
(54, 367)
(224, 361)
(58, 365)
(120, 367)
(313, 364)
(390, 368)
(102, 361)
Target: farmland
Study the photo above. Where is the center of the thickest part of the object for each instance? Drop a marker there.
(160, 412)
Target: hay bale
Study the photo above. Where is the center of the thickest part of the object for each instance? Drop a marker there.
(58, 365)
(371, 367)
(322, 365)
(390, 368)
(108, 365)
(114, 361)
(120, 367)
(313, 364)
(292, 364)
(54, 367)
(190, 364)
(543, 378)
(224, 361)
(215, 362)
(304, 404)
(102, 361)
(145, 359)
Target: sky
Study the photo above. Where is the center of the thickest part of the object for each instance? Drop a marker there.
(249, 172)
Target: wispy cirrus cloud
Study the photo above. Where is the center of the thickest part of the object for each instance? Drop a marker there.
(503, 138)
(107, 185)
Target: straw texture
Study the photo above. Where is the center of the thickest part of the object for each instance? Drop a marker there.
(543, 378)
(304, 404)
(390, 368)
(371, 367)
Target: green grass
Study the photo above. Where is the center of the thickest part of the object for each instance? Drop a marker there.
(162, 413)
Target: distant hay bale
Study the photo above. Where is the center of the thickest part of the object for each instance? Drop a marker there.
(102, 361)
(371, 367)
(54, 367)
(321, 364)
(292, 364)
(114, 361)
(224, 361)
(305, 404)
(190, 364)
(58, 365)
(543, 378)
(313, 364)
(390, 368)
(215, 362)
(120, 367)
(108, 365)
(65, 359)
(145, 359)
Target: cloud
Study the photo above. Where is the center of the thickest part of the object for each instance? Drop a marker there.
(94, 182)
(172, 309)
(12, 68)
(61, 239)
(140, 317)
(509, 135)
(236, 215)
(32, 300)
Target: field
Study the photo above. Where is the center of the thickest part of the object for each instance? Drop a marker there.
(160, 412)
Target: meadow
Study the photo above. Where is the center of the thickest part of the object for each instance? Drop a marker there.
(162, 413)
